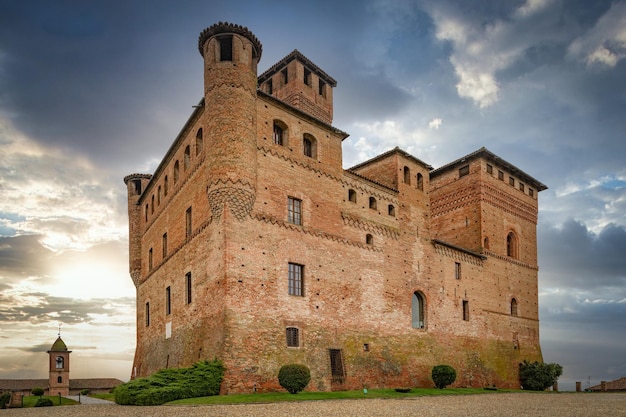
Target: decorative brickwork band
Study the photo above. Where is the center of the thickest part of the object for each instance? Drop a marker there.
(239, 196)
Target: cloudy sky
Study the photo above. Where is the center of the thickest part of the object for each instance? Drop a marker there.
(93, 91)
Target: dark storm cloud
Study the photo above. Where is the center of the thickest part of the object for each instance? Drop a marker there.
(571, 256)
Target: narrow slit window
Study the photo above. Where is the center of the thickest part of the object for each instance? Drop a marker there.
(147, 314)
(420, 182)
(188, 286)
(457, 270)
(407, 175)
(168, 300)
(226, 48)
(417, 311)
(307, 77)
(514, 307)
(164, 245)
(466, 310)
(188, 223)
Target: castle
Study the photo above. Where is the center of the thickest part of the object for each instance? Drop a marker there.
(250, 243)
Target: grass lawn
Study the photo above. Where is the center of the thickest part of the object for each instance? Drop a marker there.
(108, 396)
(31, 400)
(271, 397)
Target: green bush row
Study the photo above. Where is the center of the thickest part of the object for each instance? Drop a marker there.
(202, 379)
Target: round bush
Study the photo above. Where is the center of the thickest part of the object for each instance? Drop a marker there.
(44, 402)
(443, 375)
(294, 378)
(37, 391)
(84, 392)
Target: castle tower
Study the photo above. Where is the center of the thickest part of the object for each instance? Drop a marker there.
(59, 368)
(231, 54)
(135, 184)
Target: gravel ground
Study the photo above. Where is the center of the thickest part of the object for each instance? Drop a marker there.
(518, 404)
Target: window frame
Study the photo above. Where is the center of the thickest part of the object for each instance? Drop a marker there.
(292, 335)
(168, 300)
(188, 287)
(295, 279)
(294, 211)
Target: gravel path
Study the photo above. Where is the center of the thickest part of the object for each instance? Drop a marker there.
(519, 404)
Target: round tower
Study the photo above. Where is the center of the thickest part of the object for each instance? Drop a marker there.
(59, 368)
(231, 54)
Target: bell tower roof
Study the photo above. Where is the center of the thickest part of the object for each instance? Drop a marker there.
(58, 346)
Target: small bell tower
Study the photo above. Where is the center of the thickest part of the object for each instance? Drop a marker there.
(59, 368)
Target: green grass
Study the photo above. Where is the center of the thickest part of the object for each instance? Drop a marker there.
(31, 400)
(272, 397)
(108, 396)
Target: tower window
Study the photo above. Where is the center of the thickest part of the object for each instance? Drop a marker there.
(150, 260)
(159, 196)
(486, 243)
(511, 245)
(199, 142)
(294, 211)
(164, 245)
(293, 336)
(407, 175)
(489, 169)
(372, 203)
(417, 311)
(176, 171)
(501, 175)
(420, 182)
(521, 187)
(352, 196)
(60, 362)
(168, 300)
(463, 171)
(309, 146)
(269, 86)
(165, 186)
(147, 314)
(186, 158)
(531, 192)
(307, 77)
(226, 48)
(465, 310)
(391, 210)
(188, 286)
(285, 74)
(457, 270)
(278, 135)
(369, 239)
(59, 379)
(322, 88)
(511, 181)
(188, 224)
(295, 279)
(514, 307)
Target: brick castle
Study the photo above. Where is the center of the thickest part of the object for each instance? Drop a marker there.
(250, 243)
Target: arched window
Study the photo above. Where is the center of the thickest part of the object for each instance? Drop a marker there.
(352, 196)
(372, 203)
(417, 311)
(511, 245)
(165, 186)
(159, 196)
(369, 239)
(199, 142)
(391, 210)
(407, 175)
(309, 146)
(176, 171)
(152, 205)
(279, 135)
(486, 243)
(420, 182)
(187, 158)
(146, 212)
(60, 362)
(514, 307)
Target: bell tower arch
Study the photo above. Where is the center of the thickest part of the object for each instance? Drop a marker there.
(59, 368)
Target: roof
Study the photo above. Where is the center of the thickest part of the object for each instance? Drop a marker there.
(297, 55)
(490, 156)
(58, 345)
(390, 152)
(225, 27)
(79, 383)
(617, 385)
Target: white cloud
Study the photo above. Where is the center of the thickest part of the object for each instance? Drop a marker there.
(531, 7)
(605, 43)
(435, 123)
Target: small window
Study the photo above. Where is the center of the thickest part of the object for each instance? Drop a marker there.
(512, 181)
(159, 196)
(514, 307)
(293, 337)
(501, 175)
(137, 186)
(352, 196)
(369, 239)
(511, 245)
(486, 243)
(322, 88)
(152, 205)
(147, 314)
(165, 186)
(270, 87)
(188, 286)
(417, 311)
(186, 158)
(309, 146)
(366, 347)
(188, 223)
(466, 310)
(295, 279)
(60, 362)
(420, 182)
(278, 135)
(199, 142)
(164, 240)
(457, 270)
(391, 210)
(372, 203)
(307, 77)
(407, 175)
(59, 379)
(489, 169)
(521, 187)
(147, 209)
(531, 192)
(337, 371)
(294, 211)
(168, 301)
(176, 171)
(285, 75)
(150, 260)
(226, 48)
(463, 171)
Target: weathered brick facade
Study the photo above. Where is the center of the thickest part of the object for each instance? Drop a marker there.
(251, 243)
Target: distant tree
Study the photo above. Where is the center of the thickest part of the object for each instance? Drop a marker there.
(443, 375)
(84, 392)
(538, 376)
(37, 391)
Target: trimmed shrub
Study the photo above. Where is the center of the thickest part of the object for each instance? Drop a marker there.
(37, 391)
(294, 378)
(44, 402)
(84, 392)
(443, 375)
(202, 379)
(537, 376)
(4, 400)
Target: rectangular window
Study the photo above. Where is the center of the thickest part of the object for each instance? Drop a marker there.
(463, 171)
(457, 270)
(531, 192)
(164, 245)
(188, 286)
(337, 372)
(150, 260)
(269, 86)
(188, 228)
(511, 181)
(293, 337)
(285, 75)
(226, 48)
(465, 310)
(147, 314)
(60, 380)
(294, 209)
(521, 186)
(168, 300)
(307, 77)
(489, 169)
(322, 88)
(501, 175)
(295, 279)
